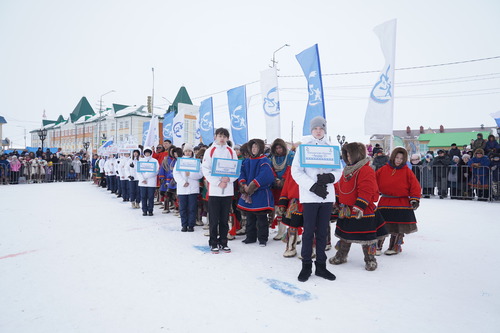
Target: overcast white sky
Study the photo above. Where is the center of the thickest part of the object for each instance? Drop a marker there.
(56, 51)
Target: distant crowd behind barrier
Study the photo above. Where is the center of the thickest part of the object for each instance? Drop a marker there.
(470, 173)
(43, 167)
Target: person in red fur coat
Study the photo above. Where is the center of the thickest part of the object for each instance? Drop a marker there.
(290, 208)
(358, 219)
(401, 194)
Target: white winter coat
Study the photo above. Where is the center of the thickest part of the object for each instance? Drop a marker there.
(109, 167)
(130, 170)
(217, 151)
(149, 177)
(120, 167)
(76, 164)
(306, 177)
(193, 180)
(102, 163)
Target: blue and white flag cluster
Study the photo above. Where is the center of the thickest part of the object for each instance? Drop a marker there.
(206, 121)
(309, 61)
(168, 118)
(237, 102)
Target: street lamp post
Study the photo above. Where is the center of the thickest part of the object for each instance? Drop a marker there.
(274, 56)
(341, 140)
(86, 146)
(42, 134)
(100, 112)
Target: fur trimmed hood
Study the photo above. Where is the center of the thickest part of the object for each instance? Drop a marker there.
(260, 143)
(356, 150)
(279, 142)
(398, 150)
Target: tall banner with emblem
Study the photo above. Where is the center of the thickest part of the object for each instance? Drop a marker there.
(270, 103)
(379, 117)
(178, 128)
(237, 102)
(309, 61)
(206, 121)
(168, 118)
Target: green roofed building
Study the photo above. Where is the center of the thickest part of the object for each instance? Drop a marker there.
(436, 141)
(82, 109)
(182, 97)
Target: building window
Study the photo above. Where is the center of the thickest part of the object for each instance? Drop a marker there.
(125, 124)
(121, 124)
(423, 148)
(113, 126)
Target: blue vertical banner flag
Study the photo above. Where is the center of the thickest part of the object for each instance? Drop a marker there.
(168, 118)
(309, 62)
(206, 121)
(145, 130)
(237, 102)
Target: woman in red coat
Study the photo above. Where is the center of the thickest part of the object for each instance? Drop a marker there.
(401, 194)
(358, 221)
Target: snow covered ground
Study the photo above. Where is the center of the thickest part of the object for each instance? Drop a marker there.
(74, 258)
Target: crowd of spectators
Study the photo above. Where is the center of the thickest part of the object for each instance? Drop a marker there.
(43, 166)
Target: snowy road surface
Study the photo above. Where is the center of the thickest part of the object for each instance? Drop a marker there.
(74, 258)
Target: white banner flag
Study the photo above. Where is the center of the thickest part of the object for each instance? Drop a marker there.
(270, 103)
(380, 114)
(178, 127)
(152, 137)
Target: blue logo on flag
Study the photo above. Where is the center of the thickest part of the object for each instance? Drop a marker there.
(271, 104)
(238, 118)
(145, 131)
(237, 100)
(167, 126)
(381, 92)
(309, 62)
(177, 129)
(206, 124)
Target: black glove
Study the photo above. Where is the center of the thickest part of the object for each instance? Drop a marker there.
(319, 190)
(130, 177)
(325, 178)
(414, 204)
(118, 162)
(131, 165)
(116, 172)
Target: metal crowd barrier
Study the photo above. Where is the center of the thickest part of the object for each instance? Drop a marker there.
(458, 182)
(35, 173)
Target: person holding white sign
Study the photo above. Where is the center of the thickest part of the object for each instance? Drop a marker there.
(188, 187)
(147, 169)
(317, 195)
(220, 190)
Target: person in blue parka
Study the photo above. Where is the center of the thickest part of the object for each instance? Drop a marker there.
(256, 199)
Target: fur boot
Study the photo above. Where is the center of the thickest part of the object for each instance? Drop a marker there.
(370, 261)
(380, 244)
(291, 250)
(395, 244)
(321, 271)
(340, 257)
(243, 223)
(281, 231)
(305, 272)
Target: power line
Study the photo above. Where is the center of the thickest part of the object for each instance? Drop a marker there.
(367, 72)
